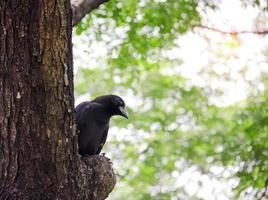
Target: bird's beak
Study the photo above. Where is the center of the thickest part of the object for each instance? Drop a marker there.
(123, 112)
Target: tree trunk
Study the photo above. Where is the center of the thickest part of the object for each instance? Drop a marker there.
(38, 146)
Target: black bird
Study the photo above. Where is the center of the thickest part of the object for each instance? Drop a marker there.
(92, 121)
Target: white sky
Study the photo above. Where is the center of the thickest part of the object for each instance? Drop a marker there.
(201, 54)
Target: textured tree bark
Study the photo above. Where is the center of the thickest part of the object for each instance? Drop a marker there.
(96, 176)
(38, 146)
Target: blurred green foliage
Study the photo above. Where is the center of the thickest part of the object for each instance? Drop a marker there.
(173, 127)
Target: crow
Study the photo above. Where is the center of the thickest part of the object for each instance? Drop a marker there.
(92, 121)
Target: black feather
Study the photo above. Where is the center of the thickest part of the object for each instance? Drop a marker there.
(92, 121)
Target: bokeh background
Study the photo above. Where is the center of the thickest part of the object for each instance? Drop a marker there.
(193, 75)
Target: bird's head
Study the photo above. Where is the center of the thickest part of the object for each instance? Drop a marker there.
(114, 104)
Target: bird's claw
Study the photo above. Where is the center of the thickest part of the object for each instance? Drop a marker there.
(108, 159)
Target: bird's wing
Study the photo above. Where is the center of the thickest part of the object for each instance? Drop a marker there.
(82, 111)
(103, 140)
(86, 125)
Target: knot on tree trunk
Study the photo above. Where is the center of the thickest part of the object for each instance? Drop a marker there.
(97, 178)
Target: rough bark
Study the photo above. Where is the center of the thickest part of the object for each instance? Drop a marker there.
(38, 146)
(82, 7)
(97, 176)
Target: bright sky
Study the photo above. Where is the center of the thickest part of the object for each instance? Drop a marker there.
(233, 67)
(235, 62)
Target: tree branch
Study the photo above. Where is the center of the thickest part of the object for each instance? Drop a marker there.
(96, 178)
(82, 7)
(263, 32)
(265, 192)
